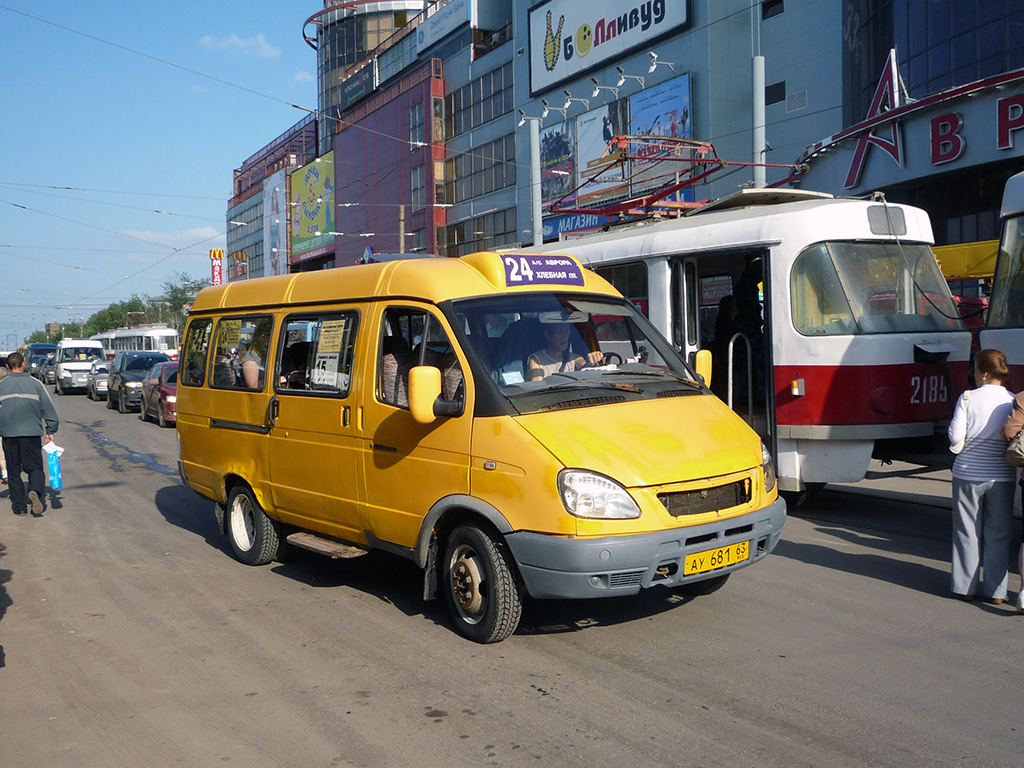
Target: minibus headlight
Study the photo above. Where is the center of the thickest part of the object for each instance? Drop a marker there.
(769, 469)
(588, 494)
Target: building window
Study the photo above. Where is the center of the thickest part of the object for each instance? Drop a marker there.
(481, 170)
(483, 233)
(416, 124)
(479, 101)
(771, 8)
(775, 93)
(419, 183)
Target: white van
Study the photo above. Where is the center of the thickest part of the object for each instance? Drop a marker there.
(74, 359)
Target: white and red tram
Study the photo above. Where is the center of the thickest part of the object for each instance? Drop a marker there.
(1004, 327)
(862, 351)
(150, 338)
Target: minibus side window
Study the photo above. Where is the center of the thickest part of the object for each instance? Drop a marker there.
(409, 338)
(197, 343)
(240, 357)
(316, 353)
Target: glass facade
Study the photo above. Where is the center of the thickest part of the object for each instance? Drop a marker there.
(479, 101)
(346, 36)
(939, 44)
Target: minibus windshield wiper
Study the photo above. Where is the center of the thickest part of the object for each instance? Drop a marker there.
(577, 386)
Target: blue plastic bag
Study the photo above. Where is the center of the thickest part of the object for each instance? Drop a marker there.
(53, 458)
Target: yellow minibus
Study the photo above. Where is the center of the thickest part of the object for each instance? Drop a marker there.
(507, 421)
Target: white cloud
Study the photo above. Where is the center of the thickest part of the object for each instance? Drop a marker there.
(302, 76)
(247, 46)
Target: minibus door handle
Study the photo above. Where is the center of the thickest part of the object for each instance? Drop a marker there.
(273, 410)
(344, 416)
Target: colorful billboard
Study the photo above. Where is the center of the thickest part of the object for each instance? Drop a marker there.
(597, 167)
(312, 208)
(275, 224)
(568, 37)
(661, 110)
(557, 160)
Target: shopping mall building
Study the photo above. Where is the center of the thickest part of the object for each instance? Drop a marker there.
(433, 117)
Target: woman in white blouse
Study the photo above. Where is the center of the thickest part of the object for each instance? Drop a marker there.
(982, 483)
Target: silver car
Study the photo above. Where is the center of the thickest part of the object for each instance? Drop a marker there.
(96, 380)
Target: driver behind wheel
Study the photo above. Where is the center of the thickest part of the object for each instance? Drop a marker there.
(556, 356)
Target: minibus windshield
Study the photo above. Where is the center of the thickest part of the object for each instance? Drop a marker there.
(870, 287)
(1007, 305)
(551, 350)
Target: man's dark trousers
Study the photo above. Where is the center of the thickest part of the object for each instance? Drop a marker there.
(24, 454)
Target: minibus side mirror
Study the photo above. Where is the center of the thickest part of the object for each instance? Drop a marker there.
(704, 366)
(425, 401)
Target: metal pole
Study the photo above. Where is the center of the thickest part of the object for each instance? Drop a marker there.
(759, 139)
(538, 222)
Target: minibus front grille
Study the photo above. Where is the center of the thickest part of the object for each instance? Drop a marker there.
(706, 499)
(583, 402)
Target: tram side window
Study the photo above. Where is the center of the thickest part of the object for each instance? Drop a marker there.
(316, 353)
(819, 302)
(197, 344)
(631, 281)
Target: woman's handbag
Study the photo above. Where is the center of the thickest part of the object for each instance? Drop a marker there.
(1015, 451)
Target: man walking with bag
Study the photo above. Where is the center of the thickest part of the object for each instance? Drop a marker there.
(26, 415)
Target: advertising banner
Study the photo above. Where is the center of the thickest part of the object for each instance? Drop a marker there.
(596, 168)
(557, 160)
(216, 266)
(312, 207)
(662, 110)
(568, 37)
(442, 22)
(275, 224)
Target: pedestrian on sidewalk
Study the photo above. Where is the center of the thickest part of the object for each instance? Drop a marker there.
(26, 416)
(1011, 427)
(3, 462)
(982, 483)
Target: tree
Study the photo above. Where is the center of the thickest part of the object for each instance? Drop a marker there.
(178, 292)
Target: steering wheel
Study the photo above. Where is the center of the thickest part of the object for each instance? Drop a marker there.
(607, 359)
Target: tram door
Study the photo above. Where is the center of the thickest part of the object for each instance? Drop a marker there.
(720, 302)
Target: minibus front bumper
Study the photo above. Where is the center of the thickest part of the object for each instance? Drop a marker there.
(559, 567)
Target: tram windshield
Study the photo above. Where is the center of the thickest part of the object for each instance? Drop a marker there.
(870, 287)
(1006, 308)
(549, 350)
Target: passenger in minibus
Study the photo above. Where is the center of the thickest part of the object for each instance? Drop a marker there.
(254, 360)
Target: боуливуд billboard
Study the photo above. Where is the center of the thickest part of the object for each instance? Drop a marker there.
(568, 37)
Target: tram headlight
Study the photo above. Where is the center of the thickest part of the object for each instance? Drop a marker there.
(588, 494)
(769, 469)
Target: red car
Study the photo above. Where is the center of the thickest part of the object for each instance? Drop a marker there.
(160, 394)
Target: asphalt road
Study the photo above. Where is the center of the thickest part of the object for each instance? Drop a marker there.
(131, 637)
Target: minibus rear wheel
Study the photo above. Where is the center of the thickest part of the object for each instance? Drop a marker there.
(481, 584)
(254, 536)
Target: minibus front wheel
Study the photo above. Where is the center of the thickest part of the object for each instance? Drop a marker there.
(254, 536)
(481, 584)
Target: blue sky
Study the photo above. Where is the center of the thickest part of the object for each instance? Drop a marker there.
(143, 110)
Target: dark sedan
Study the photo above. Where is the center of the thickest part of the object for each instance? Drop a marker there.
(160, 394)
(127, 372)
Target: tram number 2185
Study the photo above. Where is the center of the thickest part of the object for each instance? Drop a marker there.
(928, 389)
